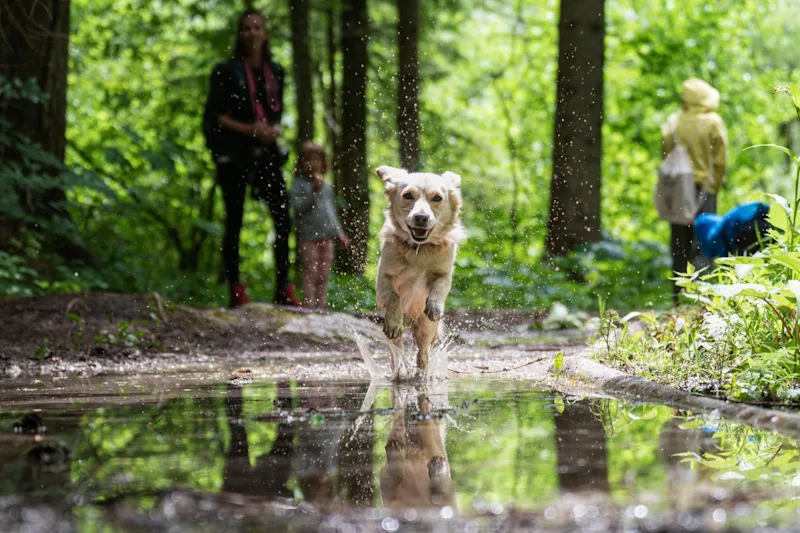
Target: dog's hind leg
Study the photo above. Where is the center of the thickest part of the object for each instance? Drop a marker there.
(424, 333)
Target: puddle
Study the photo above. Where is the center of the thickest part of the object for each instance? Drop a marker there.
(467, 456)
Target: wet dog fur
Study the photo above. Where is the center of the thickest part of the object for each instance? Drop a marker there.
(420, 238)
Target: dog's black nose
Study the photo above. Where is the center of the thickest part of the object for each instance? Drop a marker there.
(421, 219)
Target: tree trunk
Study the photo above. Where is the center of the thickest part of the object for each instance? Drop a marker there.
(302, 70)
(36, 37)
(35, 45)
(581, 449)
(577, 143)
(332, 114)
(354, 187)
(408, 83)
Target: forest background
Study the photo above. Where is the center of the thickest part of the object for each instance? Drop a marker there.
(121, 197)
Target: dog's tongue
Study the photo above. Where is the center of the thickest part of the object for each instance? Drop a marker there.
(419, 233)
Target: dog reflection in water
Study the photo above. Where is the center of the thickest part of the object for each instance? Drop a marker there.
(416, 474)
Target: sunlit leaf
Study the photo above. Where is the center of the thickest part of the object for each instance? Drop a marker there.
(783, 149)
(791, 261)
(743, 289)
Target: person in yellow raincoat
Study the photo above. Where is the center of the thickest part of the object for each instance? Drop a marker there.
(699, 128)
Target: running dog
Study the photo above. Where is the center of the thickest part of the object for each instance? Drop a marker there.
(420, 238)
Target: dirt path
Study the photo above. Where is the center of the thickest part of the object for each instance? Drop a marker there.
(100, 333)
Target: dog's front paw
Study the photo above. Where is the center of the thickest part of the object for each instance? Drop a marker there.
(434, 309)
(437, 467)
(395, 445)
(393, 326)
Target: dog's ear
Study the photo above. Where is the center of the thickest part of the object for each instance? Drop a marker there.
(455, 192)
(389, 176)
(454, 178)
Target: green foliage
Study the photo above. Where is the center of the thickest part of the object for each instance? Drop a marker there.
(28, 264)
(745, 342)
(122, 335)
(746, 456)
(137, 82)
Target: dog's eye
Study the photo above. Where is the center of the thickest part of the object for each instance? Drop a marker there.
(408, 196)
(436, 198)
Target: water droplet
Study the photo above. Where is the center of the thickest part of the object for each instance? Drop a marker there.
(390, 524)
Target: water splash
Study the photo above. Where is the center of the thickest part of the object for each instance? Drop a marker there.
(405, 367)
(375, 372)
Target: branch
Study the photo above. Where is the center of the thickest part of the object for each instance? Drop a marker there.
(171, 231)
(483, 371)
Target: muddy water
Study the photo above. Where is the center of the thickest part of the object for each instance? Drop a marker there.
(468, 456)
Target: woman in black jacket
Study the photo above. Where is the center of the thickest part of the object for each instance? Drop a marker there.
(242, 123)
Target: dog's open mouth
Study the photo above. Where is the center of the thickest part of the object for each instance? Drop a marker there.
(419, 234)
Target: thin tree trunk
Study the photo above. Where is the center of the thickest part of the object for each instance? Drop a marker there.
(577, 144)
(332, 114)
(301, 52)
(34, 40)
(354, 187)
(408, 83)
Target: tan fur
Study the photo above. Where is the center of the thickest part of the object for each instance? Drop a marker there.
(414, 280)
(416, 473)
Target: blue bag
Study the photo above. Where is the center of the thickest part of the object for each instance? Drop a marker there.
(732, 233)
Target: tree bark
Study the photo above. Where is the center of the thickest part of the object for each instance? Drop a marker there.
(408, 83)
(354, 187)
(577, 143)
(34, 40)
(34, 37)
(332, 112)
(301, 53)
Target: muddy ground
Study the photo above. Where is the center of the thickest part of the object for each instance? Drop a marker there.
(104, 333)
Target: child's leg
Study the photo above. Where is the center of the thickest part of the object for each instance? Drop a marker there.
(325, 260)
(309, 261)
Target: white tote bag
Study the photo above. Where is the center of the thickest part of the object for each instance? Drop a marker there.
(676, 197)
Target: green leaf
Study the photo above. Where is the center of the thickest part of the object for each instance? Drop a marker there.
(558, 362)
(783, 149)
(559, 403)
(795, 94)
(790, 261)
(740, 289)
(793, 287)
(779, 218)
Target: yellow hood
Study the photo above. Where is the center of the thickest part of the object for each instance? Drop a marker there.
(699, 97)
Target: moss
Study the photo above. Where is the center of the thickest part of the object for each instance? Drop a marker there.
(222, 314)
(273, 312)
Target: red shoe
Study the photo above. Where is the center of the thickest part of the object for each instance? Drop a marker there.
(286, 297)
(239, 295)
